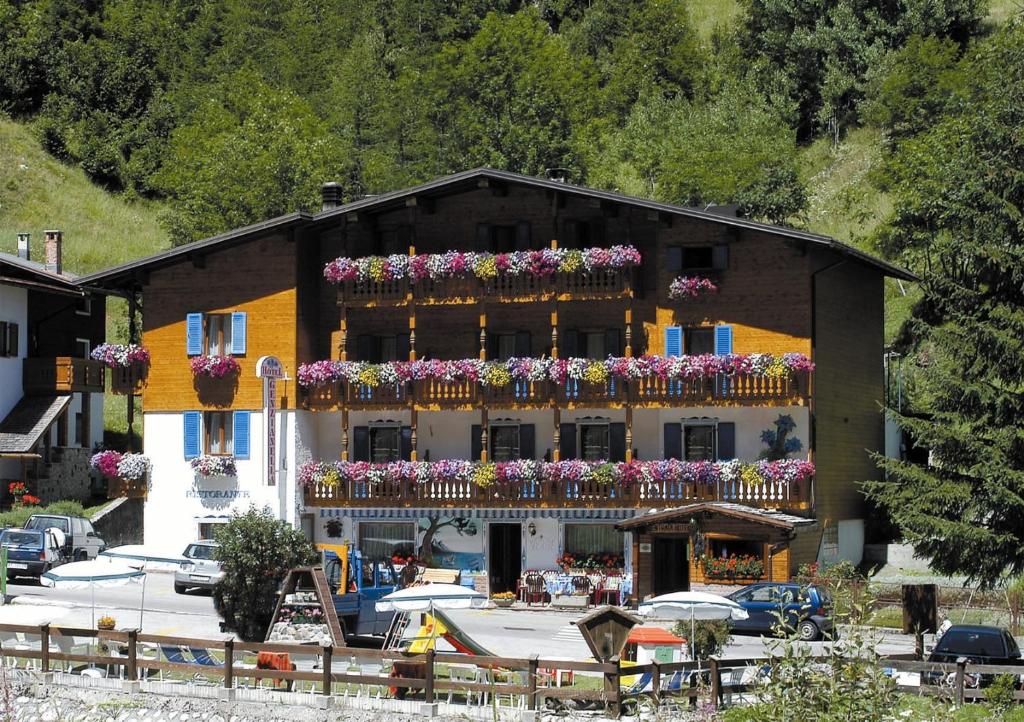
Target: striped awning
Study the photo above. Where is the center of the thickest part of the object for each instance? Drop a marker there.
(419, 513)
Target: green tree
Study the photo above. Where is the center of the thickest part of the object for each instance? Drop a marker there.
(249, 153)
(256, 550)
(959, 202)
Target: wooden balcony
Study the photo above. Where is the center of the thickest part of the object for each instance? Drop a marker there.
(576, 286)
(62, 374)
(129, 379)
(547, 494)
(741, 389)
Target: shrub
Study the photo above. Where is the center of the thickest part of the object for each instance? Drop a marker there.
(257, 550)
(709, 637)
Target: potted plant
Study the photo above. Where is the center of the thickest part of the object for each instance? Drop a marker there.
(106, 622)
(503, 599)
(17, 489)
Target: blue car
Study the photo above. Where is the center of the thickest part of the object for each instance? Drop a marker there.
(31, 552)
(806, 609)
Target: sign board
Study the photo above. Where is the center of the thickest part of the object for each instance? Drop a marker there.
(645, 547)
(270, 369)
(670, 529)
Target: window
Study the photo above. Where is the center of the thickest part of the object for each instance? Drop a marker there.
(699, 442)
(504, 442)
(594, 441)
(384, 539)
(218, 334)
(757, 594)
(503, 239)
(506, 346)
(830, 540)
(8, 338)
(385, 441)
(82, 347)
(592, 539)
(207, 529)
(381, 348)
(697, 258)
(592, 344)
(83, 306)
(218, 432)
(699, 341)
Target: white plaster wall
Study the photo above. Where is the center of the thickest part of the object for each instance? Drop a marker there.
(95, 418)
(543, 548)
(178, 498)
(851, 540)
(13, 308)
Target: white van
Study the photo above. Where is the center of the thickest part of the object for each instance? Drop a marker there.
(81, 540)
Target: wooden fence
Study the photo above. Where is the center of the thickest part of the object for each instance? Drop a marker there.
(118, 654)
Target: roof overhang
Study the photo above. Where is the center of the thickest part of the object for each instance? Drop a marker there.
(31, 417)
(767, 517)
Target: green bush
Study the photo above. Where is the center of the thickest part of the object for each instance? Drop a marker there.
(257, 550)
(709, 637)
(19, 516)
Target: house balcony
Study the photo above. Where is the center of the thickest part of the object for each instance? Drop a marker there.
(539, 494)
(62, 374)
(429, 394)
(604, 284)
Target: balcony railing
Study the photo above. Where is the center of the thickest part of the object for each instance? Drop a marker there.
(579, 285)
(556, 494)
(128, 379)
(62, 374)
(753, 389)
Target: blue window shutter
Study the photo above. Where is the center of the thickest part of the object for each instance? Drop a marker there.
(673, 441)
(238, 324)
(194, 334)
(567, 441)
(726, 441)
(527, 441)
(361, 443)
(241, 434)
(723, 340)
(616, 442)
(674, 341)
(193, 420)
(476, 442)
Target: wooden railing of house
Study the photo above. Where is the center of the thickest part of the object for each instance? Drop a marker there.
(557, 494)
(576, 286)
(752, 389)
(44, 648)
(63, 374)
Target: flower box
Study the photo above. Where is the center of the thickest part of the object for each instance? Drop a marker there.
(691, 287)
(503, 603)
(571, 601)
(214, 367)
(207, 466)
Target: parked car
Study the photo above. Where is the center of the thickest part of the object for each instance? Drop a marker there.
(32, 552)
(81, 541)
(201, 570)
(979, 644)
(805, 608)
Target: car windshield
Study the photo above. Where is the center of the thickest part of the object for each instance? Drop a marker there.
(200, 551)
(20, 538)
(45, 522)
(981, 644)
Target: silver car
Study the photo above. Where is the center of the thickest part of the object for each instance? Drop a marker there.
(200, 570)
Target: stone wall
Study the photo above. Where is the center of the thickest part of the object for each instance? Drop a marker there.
(69, 476)
(120, 522)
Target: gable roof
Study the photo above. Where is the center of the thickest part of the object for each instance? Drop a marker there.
(28, 421)
(16, 270)
(769, 517)
(468, 180)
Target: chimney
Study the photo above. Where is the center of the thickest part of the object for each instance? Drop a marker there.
(331, 193)
(54, 240)
(24, 251)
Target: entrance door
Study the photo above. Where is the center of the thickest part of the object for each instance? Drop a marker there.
(504, 559)
(671, 568)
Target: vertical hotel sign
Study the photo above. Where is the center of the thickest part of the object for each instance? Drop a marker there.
(269, 369)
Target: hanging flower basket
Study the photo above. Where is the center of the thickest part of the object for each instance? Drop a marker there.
(214, 367)
(121, 355)
(691, 287)
(207, 466)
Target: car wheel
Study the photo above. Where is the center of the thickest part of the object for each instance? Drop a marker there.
(180, 588)
(81, 555)
(807, 630)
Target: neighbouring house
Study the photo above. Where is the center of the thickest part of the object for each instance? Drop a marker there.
(51, 391)
(499, 373)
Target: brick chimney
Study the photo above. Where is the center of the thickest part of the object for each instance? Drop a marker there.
(331, 193)
(24, 250)
(54, 241)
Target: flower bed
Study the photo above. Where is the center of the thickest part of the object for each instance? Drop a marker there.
(115, 465)
(119, 355)
(206, 466)
(691, 287)
(502, 373)
(216, 367)
(332, 473)
(731, 567)
(455, 264)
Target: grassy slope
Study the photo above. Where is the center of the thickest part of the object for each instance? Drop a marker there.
(707, 14)
(38, 192)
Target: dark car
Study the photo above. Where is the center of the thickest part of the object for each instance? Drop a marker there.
(978, 644)
(805, 608)
(31, 552)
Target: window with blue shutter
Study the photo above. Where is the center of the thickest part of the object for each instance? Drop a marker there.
(238, 331)
(241, 434)
(674, 341)
(723, 340)
(193, 422)
(194, 334)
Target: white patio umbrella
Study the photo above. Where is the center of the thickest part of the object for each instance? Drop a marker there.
(140, 555)
(692, 606)
(93, 573)
(427, 597)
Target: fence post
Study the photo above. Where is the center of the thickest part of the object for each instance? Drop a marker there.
(531, 683)
(656, 682)
(229, 663)
(428, 678)
(958, 684)
(716, 681)
(325, 687)
(613, 688)
(132, 671)
(44, 646)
